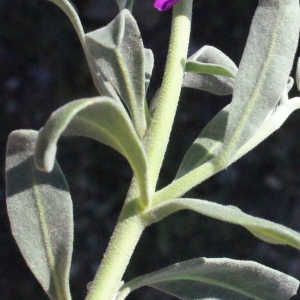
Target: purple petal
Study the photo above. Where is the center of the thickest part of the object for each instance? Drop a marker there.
(164, 4)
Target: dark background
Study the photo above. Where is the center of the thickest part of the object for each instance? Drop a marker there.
(42, 66)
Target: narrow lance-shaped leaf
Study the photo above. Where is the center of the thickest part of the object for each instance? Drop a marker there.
(209, 69)
(69, 9)
(265, 230)
(40, 213)
(207, 145)
(102, 119)
(102, 85)
(201, 160)
(263, 71)
(117, 50)
(273, 122)
(219, 278)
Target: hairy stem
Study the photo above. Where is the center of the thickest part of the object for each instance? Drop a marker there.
(180, 186)
(131, 225)
(116, 258)
(157, 138)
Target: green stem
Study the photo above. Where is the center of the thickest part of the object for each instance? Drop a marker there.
(131, 224)
(114, 263)
(185, 183)
(157, 137)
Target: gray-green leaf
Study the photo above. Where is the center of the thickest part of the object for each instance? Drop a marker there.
(69, 9)
(263, 229)
(219, 278)
(209, 142)
(201, 160)
(207, 145)
(117, 50)
(40, 212)
(125, 4)
(207, 68)
(263, 71)
(210, 70)
(102, 119)
(102, 85)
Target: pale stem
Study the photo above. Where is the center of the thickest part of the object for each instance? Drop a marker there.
(180, 186)
(130, 225)
(157, 137)
(116, 258)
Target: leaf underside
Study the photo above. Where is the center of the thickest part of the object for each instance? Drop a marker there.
(209, 69)
(219, 278)
(207, 145)
(99, 118)
(263, 72)
(117, 50)
(40, 211)
(263, 229)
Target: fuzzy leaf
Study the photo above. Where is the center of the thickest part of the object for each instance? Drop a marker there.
(209, 142)
(102, 85)
(273, 122)
(219, 278)
(207, 68)
(117, 50)
(39, 206)
(207, 145)
(263, 71)
(70, 10)
(201, 161)
(215, 71)
(100, 118)
(265, 230)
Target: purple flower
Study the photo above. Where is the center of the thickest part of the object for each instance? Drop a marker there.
(164, 4)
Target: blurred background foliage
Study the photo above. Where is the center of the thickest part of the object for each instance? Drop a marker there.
(43, 67)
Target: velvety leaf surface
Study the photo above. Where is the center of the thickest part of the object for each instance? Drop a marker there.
(283, 110)
(209, 142)
(209, 69)
(40, 212)
(220, 278)
(70, 10)
(117, 50)
(100, 118)
(264, 70)
(102, 85)
(201, 160)
(263, 229)
(207, 145)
